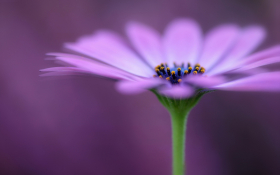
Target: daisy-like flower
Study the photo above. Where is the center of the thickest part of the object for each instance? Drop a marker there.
(179, 66)
(178, 62)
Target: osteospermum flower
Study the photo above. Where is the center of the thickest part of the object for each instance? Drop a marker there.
(179, 66)
(177, 62)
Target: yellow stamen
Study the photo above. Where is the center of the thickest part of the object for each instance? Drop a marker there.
(186, 72)
(168, 78)
(160, 76)
(168, 71)
(196, 68)
(179, 80)
(173, 74)
(179, 71)
(162, 69)
(197, 65)
(190, 68)
(194, 72)
(157, 71)
(202, 71)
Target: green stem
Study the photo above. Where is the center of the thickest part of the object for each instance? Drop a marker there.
(179, 110)
(179, 121)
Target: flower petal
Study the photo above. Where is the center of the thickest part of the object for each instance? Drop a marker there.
(59, 71)
(147, 41)
(182, 41)
(91, 66)
(259, 63)
(205, 81)
(269, 81)
(267, 53)
(177, 91)
(217, 43)
(110, 48)
(249, 39)
(141, 85)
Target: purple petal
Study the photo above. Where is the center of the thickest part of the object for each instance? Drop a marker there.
(269, 81)
(90, 66)
(141, 85)
(182, 41)
(259, 63)
(177, 91)
(205, 81)
(217, 43)
(267, 53)
(249, 39)
(110, 48)
(59, 71)
(250, 72)
(147, 41)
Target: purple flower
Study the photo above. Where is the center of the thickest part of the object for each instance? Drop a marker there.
(178, 62)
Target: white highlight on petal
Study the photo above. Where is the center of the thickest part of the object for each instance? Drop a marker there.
(147, 42)
(177, 91)
(269, 81)
(141, 85)
(110, 48)
(182, 41)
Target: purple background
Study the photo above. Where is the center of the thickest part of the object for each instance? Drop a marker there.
(81, 125)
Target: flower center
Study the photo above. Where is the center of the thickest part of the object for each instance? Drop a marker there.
(175, 74)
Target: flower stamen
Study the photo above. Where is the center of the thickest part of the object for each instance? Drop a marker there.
(179, 71)
(190, 69)
(186, 72)
(168, 71)
(162, 70)
(175, 74)
(158, 73)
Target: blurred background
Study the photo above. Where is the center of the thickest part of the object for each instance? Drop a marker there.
(82, 125)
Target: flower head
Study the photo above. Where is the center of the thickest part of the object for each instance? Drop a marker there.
(178, 62)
